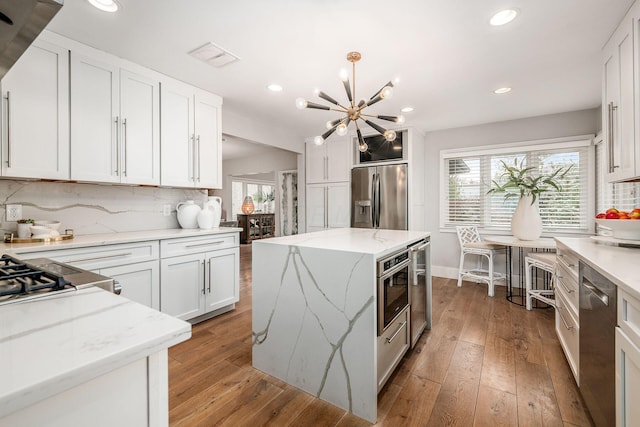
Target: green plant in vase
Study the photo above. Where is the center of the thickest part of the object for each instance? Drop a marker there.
(522, 182)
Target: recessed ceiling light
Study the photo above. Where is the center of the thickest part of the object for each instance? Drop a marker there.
(502, 90)
(274, 88)
(407, 109)
(106, 5)
(503, 17)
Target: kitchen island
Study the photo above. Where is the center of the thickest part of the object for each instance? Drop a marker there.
(87, 357)
(315, 312)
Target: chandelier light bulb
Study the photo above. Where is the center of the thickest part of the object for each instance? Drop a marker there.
(363, 147)
(341, 129)
(344, 75)
(390, 135)
(386, 93)
(400, 120)
(318, 140)
(301, 103)
(328, 125)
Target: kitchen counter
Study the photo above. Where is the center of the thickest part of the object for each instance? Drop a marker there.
(619, 265)
(114, 238)
(315, 326)
(54, 344)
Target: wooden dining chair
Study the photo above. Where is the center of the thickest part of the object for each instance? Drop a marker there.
(472, 245)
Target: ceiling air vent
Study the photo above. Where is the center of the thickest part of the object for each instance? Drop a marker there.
(214, 55)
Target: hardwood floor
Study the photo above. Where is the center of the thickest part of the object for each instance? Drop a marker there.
(486, 362)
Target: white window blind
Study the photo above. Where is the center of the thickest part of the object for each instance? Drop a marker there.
(467, 177)
(623, 196)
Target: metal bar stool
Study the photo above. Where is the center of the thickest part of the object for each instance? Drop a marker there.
(546, 262)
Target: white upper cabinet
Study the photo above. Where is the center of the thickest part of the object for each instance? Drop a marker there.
(329, 162)
(191, 151)
(114, 124)
(35, 114)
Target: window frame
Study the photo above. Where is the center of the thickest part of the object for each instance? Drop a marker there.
(572, 142)
(244, 183)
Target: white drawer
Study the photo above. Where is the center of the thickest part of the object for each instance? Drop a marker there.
(629, 316)
(568, 260)
(568, 330)
(567, 284)
(392, 345)
(193, 245)
(96, 257)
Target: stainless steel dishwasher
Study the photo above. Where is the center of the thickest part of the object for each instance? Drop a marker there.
(598, 302)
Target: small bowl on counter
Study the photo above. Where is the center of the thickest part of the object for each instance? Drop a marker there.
(51, 225)
(40, 231)
(624, 229)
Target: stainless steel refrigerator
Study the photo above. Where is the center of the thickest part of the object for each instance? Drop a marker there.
(379, 197)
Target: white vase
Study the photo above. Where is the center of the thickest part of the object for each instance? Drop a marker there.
(526, 223)
(188, 214)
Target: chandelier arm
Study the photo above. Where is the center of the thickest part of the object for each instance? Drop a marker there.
(389, 83)
(381, 117)
(378, 128)
(353, 66)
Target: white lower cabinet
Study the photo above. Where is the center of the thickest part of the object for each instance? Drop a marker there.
(199, 283)
(567, 307)
(628, 360)
(140, 282)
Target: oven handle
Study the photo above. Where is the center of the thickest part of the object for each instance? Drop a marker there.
(395, 269)
(420, 248)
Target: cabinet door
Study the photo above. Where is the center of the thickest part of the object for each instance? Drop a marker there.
(338, 202)
(618, 104)
(223, 285)
(182, 287)
(35, 136)
(140, 282)
(316, 203)
(627, 380)
(176, 127)
(338, 159)
(95, 122)
(316, 163)
(208, 152)
(140, 112)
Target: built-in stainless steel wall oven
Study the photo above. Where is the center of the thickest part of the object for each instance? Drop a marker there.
(393, 287)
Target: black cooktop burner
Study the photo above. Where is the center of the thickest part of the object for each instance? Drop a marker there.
(18, 278)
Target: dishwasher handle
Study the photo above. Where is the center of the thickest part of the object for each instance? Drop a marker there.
(594, 290)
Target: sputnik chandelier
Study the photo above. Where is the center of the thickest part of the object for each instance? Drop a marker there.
(353, 112)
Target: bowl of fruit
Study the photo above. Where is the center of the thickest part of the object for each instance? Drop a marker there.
(624, 225)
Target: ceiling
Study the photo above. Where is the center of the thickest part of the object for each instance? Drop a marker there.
(238, 148)
(446, 55)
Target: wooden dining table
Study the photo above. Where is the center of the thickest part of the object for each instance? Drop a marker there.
(517, 295)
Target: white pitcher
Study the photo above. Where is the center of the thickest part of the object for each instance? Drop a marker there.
(188, 214)
(210, 215)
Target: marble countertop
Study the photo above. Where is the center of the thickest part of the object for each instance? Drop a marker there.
(114, 238)
(361, 240)
(53, 344)
(619, 265)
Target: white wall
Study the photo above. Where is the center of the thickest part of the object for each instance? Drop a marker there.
(446, 251)
(265, 163)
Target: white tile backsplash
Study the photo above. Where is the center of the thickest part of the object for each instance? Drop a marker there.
(93, 208)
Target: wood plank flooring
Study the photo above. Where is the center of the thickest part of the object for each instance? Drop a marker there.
(486, 362)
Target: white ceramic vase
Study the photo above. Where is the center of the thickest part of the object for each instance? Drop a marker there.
(188, 214)
(209, 216)
(526, 223)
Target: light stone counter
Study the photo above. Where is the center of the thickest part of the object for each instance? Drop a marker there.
(314, 312)
(619, 265)
(113, 238)
(51, 345)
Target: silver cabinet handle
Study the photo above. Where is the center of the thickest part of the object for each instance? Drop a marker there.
(8, 98)
(198, 162)
(612, 108)
(566, 325)
(209, 284)
(569, 291)
(392, 337)
(100, 257)
(204, 279)
(195, 245)
(193, 158)
(117, 122)
(124, 129)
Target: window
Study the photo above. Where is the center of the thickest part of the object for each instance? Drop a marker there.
(260, 192)
(467, 176)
